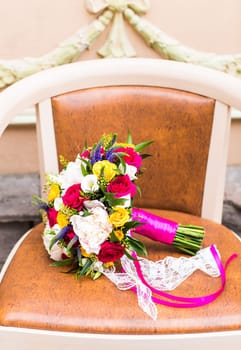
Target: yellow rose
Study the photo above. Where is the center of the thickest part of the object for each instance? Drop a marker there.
(108, 169)
(62, 219)
(53, 192)
(119, 217)
(119, 234)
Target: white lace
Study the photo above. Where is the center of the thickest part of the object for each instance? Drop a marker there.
(163, 275)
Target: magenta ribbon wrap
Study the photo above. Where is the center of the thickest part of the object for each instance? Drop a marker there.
(154, 227)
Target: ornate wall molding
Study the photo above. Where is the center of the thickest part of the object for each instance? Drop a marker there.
(117, 44)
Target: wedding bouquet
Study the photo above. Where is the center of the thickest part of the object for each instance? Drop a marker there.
(89, 214)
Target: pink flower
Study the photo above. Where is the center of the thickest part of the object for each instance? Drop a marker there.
(122, 186)
(85, 154)
(52, 216)
(72, 197)
(132, 157)
(110, 252)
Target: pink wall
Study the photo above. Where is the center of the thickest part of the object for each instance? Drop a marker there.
(34, 27)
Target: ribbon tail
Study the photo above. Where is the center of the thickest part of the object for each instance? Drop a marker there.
(206, 261)
(144, 297)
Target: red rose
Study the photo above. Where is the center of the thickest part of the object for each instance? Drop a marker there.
(72, 197)
(69, 236)
(110, 252)
(52, 216)
(122, 186)
(132, 157)
(86, 154)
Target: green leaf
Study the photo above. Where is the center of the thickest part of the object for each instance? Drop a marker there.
(86, 212)
(96, 275)
(112, 201)
(129, 256)
(85, 268)
(38, 200)
(129, 137)
(136, 245)
(131, 224)
(65, 262)
(83, 170)
(142, 145)
(146, 155)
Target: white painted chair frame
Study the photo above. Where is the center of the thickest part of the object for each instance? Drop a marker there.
(38, 89)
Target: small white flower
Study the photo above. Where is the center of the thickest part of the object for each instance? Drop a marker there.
(93, 229)
(90, 183)
(58, 203)
(130, 170)
(71, 175)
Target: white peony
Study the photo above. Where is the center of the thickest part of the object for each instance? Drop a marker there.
(93, 229)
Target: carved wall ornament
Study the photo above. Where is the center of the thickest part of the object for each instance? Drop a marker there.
(117, 43)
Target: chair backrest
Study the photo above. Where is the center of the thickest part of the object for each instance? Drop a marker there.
(184, 109)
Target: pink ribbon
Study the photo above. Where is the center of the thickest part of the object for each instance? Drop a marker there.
(183, 302)
(154, 227)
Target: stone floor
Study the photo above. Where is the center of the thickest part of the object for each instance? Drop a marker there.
(17, 214)
(232, 199)
(10, 232)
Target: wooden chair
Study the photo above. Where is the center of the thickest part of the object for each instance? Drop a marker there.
(185, 110)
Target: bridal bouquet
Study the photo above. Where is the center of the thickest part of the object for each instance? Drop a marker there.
(88, 213)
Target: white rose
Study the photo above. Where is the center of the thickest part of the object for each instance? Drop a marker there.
(93, 229)
(71, 175)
